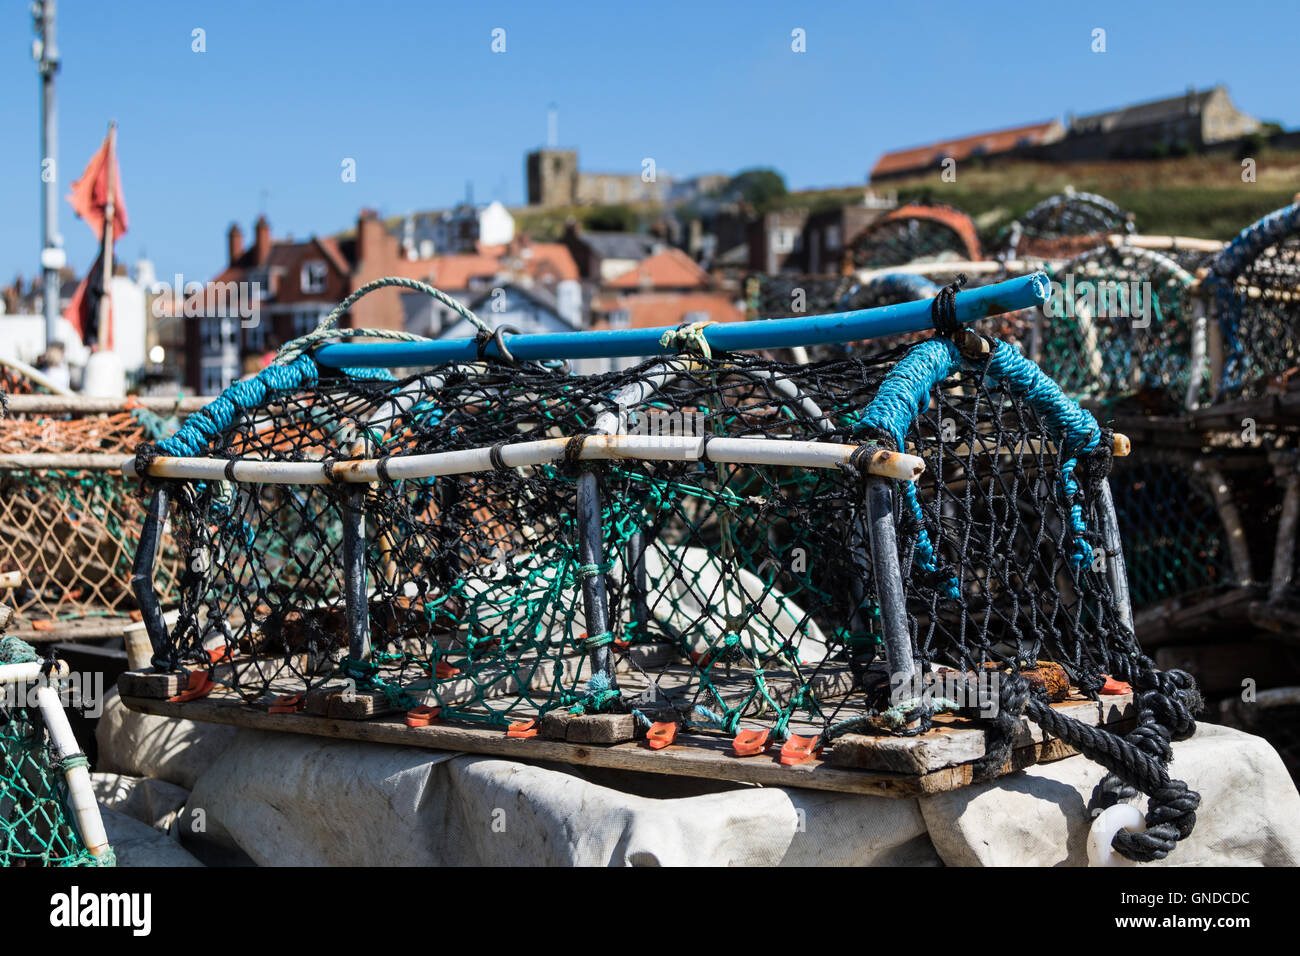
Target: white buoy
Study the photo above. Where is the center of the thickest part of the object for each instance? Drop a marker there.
(1122, 816)
(105, 376)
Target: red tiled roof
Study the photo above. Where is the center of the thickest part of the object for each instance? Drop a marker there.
(997, 141)
(451, 271)
(665, 308)
(554, 257)
(669, 269)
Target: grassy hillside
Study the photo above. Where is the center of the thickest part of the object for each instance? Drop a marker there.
(1192, 196)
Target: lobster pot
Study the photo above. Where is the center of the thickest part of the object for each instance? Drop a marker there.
(1124, 323)
(1254, 287)
(720, 542)
(68, 519)
(1065, 225)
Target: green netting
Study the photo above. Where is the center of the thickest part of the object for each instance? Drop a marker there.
(1122, 325)
(1175, 544)
(36, 826)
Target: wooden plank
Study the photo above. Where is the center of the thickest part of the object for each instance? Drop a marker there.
(588, 728)
(347, 703)
(703, 756)
(146, 684)
(956, 741)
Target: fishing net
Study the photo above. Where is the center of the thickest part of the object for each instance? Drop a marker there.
(1065, 225)
(914, 233)
(705, 541)
(37, 825)
(1123, 325)
(67, 518)
(1175, 543)
(1254, 284)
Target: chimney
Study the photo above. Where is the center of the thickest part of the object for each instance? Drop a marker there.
(370, 236)
(234, 242)
(262, 239)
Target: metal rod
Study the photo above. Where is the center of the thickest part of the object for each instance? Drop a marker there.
(357, 610)
(591, 551)
(1116, 569)
(743, 451)
(146, 555)
(889, 589)
(969, 306)
(636, 548)
(52, 255)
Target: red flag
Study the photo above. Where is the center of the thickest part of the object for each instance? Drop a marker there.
(83, 308)
(89, 196)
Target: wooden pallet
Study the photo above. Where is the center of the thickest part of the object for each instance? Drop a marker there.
(935, 762)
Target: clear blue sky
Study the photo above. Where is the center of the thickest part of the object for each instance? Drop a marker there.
(412, 91)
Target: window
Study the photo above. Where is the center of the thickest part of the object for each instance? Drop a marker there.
(306, 321)
(217, 335)
(696, 316)
(255, 337)
(620, 319)
(215, 378)
(832, 238)
(314, 275)
(783, 239)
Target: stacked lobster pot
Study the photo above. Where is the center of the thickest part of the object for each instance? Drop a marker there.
(1192, 351)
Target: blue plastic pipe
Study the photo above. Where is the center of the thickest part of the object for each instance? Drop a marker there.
(970, 306)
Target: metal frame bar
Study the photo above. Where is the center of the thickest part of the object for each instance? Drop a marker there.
(889, 586)
(969, 306)
(742, 451)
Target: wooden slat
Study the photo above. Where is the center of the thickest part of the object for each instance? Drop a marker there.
(704, 756)
(956, 741)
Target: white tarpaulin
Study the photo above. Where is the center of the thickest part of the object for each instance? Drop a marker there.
(285, 799)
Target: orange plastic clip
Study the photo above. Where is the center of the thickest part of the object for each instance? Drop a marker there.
(286, 704)
(443, 671)
(200, 685)
(1113, 686)
(751, 742)
(218, 654)
(422, 716)
(44, 626)
(661, 734)
(523, 729)
(799, 750)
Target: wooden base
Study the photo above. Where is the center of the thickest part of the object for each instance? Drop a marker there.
(934, 760)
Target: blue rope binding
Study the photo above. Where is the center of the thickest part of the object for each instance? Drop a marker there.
(905, 394)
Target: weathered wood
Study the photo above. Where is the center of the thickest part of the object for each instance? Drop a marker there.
(87, 405)
(955, 741)
(44, 461)
(152, 685)
(346, 703)
(695, 755)
(588, 728)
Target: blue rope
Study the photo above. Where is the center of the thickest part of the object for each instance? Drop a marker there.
(1230, 262)
(219, 414)
(905, 394)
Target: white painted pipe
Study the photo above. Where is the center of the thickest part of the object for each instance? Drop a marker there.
(26, 673)
(748, 451)
(84, 807)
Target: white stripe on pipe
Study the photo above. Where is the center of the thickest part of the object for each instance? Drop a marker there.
(746, 451)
